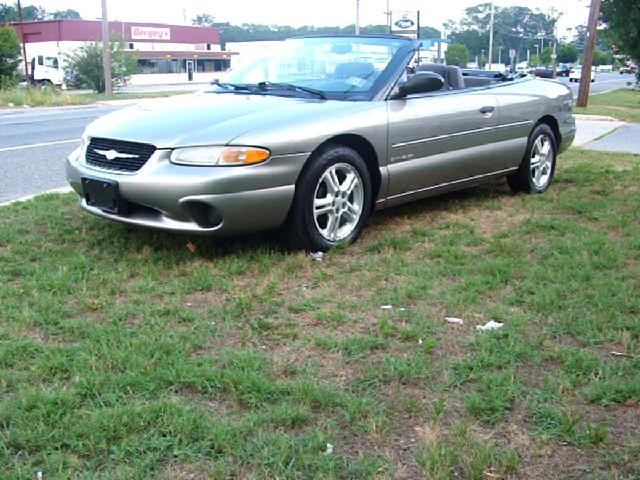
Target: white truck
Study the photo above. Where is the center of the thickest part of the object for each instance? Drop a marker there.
(45, 71)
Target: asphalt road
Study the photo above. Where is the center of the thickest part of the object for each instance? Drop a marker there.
(604, 82)
(34, 144)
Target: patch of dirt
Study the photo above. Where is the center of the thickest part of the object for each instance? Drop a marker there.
(200, 300)
(35, 334)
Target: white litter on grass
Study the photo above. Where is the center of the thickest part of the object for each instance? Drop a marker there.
(490, 325)
(317, 256)
(402, 309)
(39, 475)
(455, 320)
(386, 307)
(420, 341)
(329, 449)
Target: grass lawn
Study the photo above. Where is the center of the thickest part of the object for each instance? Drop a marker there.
(37, 97)
(123, 354)
(623, 104)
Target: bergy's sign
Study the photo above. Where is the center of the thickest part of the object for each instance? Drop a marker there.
(149, 33)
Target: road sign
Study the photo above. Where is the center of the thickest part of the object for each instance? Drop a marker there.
(512, 53)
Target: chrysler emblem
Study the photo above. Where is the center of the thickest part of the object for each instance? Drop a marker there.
(113, 154)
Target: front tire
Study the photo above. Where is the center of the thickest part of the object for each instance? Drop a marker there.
(332, 200)
(538, 165)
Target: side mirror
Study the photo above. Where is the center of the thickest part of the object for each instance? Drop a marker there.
(421, 82)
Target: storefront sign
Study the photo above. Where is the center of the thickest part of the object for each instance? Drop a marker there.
(405, 23)
(149, 33)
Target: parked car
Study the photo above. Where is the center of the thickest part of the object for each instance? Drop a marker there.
(575, 74)
(563, 71)
(543, 72)
(315, 136)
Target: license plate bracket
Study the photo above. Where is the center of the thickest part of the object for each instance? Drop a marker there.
(103, 194)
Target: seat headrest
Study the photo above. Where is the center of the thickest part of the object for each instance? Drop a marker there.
(455, 78)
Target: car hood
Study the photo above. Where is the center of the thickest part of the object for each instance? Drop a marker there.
(210, 118)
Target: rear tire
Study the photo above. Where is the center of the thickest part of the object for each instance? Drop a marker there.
(332, 200)
(538, 166)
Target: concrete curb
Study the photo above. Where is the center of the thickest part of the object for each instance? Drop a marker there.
(595, 118)
(30, 197)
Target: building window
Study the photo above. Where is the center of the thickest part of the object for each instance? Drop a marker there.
(169, 65)
(208, 46)
(130, 46)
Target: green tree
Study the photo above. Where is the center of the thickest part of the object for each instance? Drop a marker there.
(8, 13)
(546, 56)
(602, 58)
(203, 20)
(31, 13)
(568, 53)
(9, 55)
(623, 20)
(84, 65)
(518, 28)
(249, 32)
(65, 14)
(457, 54)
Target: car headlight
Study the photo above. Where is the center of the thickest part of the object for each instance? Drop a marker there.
(220, 156)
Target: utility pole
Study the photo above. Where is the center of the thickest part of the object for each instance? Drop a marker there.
(388, 14)
(589, 48)
(491, 37)
(24, 46)
(357, 17)
(555, 49)
(106, 51)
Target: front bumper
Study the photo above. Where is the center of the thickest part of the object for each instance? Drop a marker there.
(198, 200)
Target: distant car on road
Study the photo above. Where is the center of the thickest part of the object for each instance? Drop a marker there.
(629, 69)
(563, 71)
(316, 135)
(575, 74)
(543, 72)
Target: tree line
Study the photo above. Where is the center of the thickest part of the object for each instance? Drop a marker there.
(30, 13)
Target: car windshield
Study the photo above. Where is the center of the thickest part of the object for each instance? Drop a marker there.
(329, 67)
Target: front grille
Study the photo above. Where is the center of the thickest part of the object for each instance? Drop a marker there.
(108, 158)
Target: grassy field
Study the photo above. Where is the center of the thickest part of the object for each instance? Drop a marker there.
(50, 97)
(125, 354)
(623, 104)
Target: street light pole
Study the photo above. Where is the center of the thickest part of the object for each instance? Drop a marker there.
(106, 51)
(491, 36)
(24, 46)
(589, 50)
(357, 17)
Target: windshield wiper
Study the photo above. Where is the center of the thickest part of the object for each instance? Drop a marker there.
(292, 87)
(237, 86)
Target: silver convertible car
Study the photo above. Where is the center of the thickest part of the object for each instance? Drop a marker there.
(315, 136)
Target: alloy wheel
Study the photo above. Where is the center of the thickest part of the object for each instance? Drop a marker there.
(541, 164)
(338, 202)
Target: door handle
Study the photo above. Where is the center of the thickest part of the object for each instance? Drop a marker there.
(487, 111)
